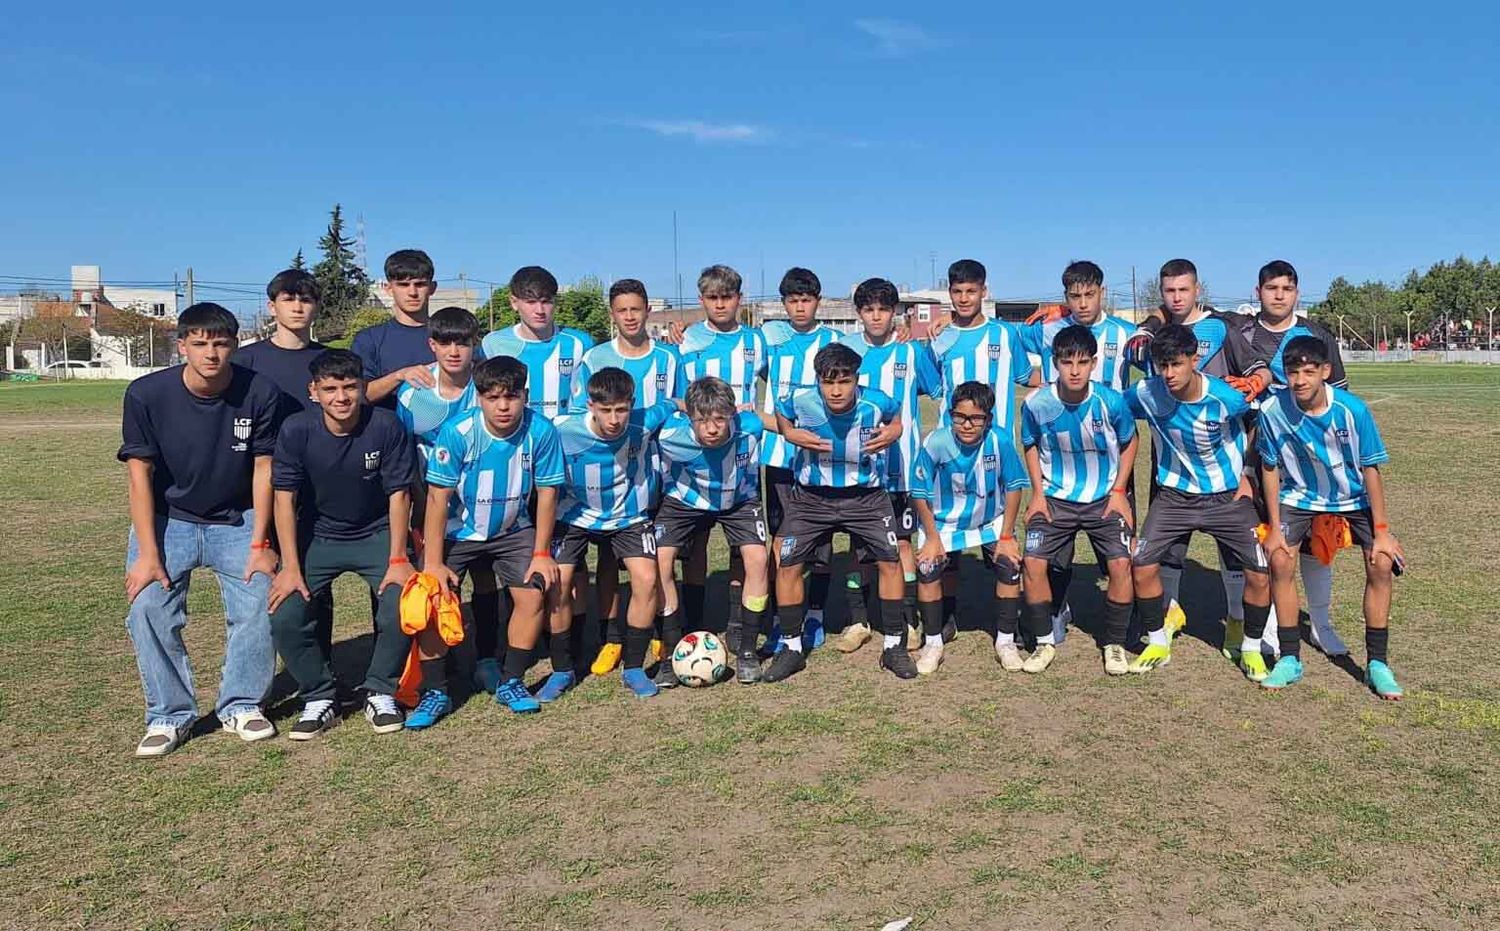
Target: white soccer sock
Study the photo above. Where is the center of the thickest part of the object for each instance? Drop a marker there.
(892, 640)
(1317, 582)
(1269, 637)
(1234, 592)
(1171, 583)
(1046, 638)
(814, 615)
(933, 640)
(1158, 638)
(1002, 638)
(792, 643)
(1250, 643)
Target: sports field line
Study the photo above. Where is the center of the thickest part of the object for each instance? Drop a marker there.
(48, 425)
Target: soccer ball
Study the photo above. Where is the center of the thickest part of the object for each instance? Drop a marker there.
(699, 659)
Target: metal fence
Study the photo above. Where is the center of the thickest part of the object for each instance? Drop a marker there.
(1470, 356)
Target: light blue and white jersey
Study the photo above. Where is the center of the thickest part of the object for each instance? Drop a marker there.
(494, 475)
(712, 478)
(903, 371)
(1111, 333)
(609, 481)
(1321, 457)
(551, 365)
(1078, 445)
(1200, 445)
(738, 357)
(989, 352)
(789, 367)
(966, 485)
(657, 374)
(423, 411)
(847, 465)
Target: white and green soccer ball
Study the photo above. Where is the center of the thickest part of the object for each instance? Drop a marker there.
(700, 659)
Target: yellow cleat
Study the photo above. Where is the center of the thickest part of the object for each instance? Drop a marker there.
(1254, 666)
(1176, 619)
(653, 652)
(607, 660)
(1234, 635)
(1153, 657)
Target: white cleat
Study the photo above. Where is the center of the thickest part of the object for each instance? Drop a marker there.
(929, 658)
(1009, 656)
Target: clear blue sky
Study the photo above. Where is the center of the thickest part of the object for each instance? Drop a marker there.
(1355, 139)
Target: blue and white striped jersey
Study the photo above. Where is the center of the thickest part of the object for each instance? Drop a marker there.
(738, 357)
(848, 465)
(1112, 333)
(990, 352)
(657, 374)
(1078, 445)
(1200, 445)
(1266, 347)
(423, 411)
(551, 365)
(1321, 457)
(494, 475)
(966, 485)
(712, 478)
(609, 481)
(1223, 347)
(789, 367)
(903, 371)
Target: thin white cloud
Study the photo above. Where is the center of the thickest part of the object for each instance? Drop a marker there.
(896, 37)
(702, 131)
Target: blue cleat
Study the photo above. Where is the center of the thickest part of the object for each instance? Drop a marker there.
(487, 676)
(1382, 681)
(434, 706)
(1286, 672)
(639, 683)
(512, 694)
(813, 632)
(772, 644)
(556, 685)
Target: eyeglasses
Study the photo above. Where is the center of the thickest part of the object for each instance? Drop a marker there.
(970, 420)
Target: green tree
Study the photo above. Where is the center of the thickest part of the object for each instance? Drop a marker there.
(345, 286)
(496, 313)
(298, 262)
(584, 307)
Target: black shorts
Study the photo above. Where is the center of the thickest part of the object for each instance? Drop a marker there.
(508, 556)
(633, 542)
(814, 514)
(1052, 540)
(906, 516)
(677, 524)
(779, 486)
(1296, 525)
(1175, 516)
(1005, 570)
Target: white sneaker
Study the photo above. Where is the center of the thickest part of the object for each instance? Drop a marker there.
(1060, 622)
(251, 726)
(1116, 663)
(161, 739)
(1040, 658)
(929, 658)
(852, 637)
(1325, 638)
(1009, 656)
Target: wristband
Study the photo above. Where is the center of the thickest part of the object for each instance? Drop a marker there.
(536, 553)
(262, 545)
(1382, 526)
(1117, 491)
(399, 561)
(1007, 538)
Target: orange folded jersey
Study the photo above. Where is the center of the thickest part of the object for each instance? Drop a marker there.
(1329, 534)
(424, 603)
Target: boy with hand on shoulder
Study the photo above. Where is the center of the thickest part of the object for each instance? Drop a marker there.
(1321, 454)
(1080, 443)
(452, 335)
(198, 440)
(841, 432)
(966, 489)
(396, 352)
(350, 467)
(292, 300)
(484, 469)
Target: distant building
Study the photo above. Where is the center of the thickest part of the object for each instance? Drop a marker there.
(470, 298)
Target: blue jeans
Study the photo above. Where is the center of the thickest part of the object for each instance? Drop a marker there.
(158, 615)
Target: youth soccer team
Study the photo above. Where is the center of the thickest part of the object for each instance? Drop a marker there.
(503, 461)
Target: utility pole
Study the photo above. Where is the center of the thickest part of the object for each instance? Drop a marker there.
(190, 300)
(464, 284)
(677, 275)
(1135, 297)
(932, 259)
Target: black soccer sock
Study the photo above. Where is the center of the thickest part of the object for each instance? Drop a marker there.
(1008, 616)
(1116, 621)
(560, 649)
(1059, 577)
(909, 607)
(614, 630)
(1376, 642)
(435, 674)
(753, 622)
(573, 645)
(671, 630)
(817, 590)
(736, 606)
(1153, 613)
(892, 618)
(854, 593)
(1290, 641)
(1255, 619)
(692, 604)
(790, 618)
(950, 609)
(516, 663)
(637, 639)
(932, 617)
(486, 607)
(1038, 618)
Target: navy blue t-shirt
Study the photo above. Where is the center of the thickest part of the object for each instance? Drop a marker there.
(204, 449)
(288, 368)
(391, 345)
(345, 481)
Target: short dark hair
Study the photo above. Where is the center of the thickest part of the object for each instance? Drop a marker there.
(1082, 272)
(611, 385)
(1171, 342)
(1277, 268)
(976, 393)
(208, 318)
(336, 363)
(835, 361)
(297, 282)
(876, 291)
(453, 325)
(533, 283)
(1073, 341)
(505, 373)
(800, 281)
(409, 265)
(710, 395)
(965, 271)
(1176, 268)
(627, 286)
(1304, 350)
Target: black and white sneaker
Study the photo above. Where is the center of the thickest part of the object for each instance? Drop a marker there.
(898, 661)
(747, 668)
(317, 717)
(384, 714)
(786, 663)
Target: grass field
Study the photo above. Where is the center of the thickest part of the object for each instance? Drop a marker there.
(839, 800)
